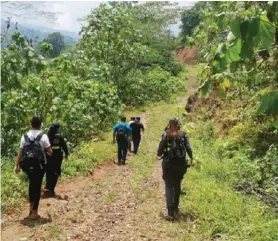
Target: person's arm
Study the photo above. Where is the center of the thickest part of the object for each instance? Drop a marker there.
(115, 129)
(161, 146)
(64, 147)
(143, 128)
(46, 145)
(18, 157)
(188, 149)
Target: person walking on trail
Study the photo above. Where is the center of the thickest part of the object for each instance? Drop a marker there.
(121, 132)
(32, 160)
(172, 149)
(136, 128)
(132, 119)
(54, 162)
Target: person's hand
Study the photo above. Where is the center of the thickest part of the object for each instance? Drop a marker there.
(16, 169)
(66, 157)
(192, 163)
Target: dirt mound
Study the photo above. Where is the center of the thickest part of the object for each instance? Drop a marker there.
(188, 55)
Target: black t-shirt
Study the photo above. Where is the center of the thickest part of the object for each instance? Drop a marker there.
(136, 129)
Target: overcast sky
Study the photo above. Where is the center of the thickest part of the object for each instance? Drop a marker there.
(70, 11)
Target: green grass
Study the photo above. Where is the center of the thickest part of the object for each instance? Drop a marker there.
(217, 208)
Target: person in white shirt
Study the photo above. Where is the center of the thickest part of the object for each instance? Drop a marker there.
(35, 175)
(132, 119)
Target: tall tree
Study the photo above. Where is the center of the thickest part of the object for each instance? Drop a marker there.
(56, 39)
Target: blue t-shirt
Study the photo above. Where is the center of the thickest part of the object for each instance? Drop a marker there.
(124, 125)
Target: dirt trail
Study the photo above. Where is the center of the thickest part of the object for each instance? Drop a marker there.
(103, 206)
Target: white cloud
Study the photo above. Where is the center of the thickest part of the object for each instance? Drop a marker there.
(70, 11)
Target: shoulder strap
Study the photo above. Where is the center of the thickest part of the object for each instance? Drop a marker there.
(39, 136)
(26, 137)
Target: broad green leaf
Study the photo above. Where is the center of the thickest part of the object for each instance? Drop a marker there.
(266, 34)
(275, 124)
(235, 27)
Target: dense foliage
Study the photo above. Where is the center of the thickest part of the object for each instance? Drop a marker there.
(239, 50)
(86, 87)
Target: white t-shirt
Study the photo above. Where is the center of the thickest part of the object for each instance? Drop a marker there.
(130, 122)
(32, 134)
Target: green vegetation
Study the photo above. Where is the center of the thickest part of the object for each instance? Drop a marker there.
(87, 87)
(57, 42)
(239, 78)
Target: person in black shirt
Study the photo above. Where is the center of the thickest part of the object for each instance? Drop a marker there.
(53, 167)
(136, 128)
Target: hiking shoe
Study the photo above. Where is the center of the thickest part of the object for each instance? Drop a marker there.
(34, 216)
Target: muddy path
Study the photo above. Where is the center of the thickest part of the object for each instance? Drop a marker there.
(114, 203)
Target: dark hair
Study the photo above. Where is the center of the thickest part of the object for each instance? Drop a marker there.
(132, 118)
(138, 118)
(173, 129)
(123, 119)
(36, 122)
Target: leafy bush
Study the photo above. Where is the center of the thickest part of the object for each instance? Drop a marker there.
(138, 88)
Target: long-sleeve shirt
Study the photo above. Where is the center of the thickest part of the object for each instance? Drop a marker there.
(164, 142)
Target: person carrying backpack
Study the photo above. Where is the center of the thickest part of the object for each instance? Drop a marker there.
(54, 162)
(32, 160)
(172, 149)
(121, 132)
(136, 128)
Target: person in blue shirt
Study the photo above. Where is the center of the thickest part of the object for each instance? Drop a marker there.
(121, 133)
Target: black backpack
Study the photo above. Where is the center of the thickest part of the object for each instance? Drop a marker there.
(32, 154)
(121, 134)
(176, 148)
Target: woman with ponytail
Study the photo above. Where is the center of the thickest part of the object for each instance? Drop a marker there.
(172, 149)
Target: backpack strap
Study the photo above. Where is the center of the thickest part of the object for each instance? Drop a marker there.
(39, 136)
(26, 137)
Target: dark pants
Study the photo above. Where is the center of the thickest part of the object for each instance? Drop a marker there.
(136, 143)
(35, 182)
(173, 177)
(122, 151)
(129, 144)
(53, 171)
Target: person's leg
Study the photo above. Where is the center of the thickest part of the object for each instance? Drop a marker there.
(119, 154)
(177, 192)
(169, 191)
(30, 190)
(136, 144)
(37, 188)
(124, 155)
(35, 181)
